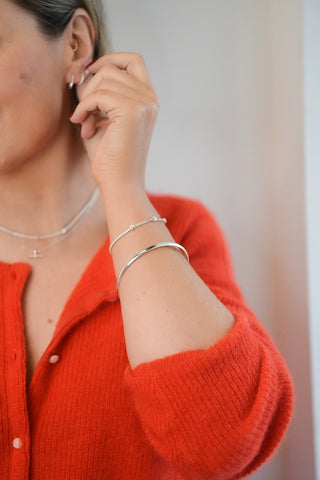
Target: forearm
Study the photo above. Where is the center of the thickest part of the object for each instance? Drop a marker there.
(165, 305)
(238, 390)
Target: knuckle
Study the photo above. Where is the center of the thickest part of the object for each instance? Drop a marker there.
(136, 56)
(100, 92)
(154, 104)
(138, 111)
(154, 111)
(107, 68)
(157, 102)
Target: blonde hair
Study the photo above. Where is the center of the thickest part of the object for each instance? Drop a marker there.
(53, 16)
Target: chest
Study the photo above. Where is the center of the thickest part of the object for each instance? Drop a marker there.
(46, 293)
(50, 284)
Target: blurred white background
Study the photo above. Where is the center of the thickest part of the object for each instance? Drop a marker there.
(238, 130)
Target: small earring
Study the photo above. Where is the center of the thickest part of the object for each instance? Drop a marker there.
(83, 76)
(71, 84)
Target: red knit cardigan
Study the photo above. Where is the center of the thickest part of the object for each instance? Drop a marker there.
(197, 415)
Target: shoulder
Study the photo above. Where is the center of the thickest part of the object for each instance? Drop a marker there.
(185, 215)
(196, 228)
(179, 209)
(171, 202)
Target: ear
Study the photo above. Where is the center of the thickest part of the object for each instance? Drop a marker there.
(80, 36)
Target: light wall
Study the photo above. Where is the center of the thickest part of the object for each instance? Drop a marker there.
(287, 121)
(312, 156)
(229, 75)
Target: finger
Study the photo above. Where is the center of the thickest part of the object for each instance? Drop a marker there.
(133, 63)
(108, 107)
(104, 101)
(131, 91)
(117, 80)
(88, 127)
(92, 125)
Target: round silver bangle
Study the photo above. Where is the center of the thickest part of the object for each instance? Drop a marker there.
(149, 249)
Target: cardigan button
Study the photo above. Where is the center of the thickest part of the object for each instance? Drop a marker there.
(17, 443)
(54, 359)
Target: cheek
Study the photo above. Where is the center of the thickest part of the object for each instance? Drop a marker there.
(30, 91)
(32, 104)
(10, 88)
(25, 78)
(31, 107)
(16, 80)
(25, 73)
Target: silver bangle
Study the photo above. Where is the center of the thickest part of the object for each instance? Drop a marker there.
(148, 249)
(134, 226)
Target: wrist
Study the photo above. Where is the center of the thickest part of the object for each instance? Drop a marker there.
(125, 206)
(121, 192)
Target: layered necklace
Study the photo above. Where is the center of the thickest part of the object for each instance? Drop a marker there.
(57, 236)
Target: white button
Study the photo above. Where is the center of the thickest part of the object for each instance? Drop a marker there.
(54, 359)
(17, 443)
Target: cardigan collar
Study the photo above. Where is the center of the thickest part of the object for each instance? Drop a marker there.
(97, 284)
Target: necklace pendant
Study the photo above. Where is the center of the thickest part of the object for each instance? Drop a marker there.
(36, 254)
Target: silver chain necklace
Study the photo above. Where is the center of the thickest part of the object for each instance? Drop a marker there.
(62, 233)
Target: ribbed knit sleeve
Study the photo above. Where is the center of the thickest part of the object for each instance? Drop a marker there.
(219, 413)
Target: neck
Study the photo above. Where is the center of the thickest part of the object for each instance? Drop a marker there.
(45, 192)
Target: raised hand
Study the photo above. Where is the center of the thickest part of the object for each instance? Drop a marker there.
(117, 112)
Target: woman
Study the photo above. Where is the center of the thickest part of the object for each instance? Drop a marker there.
(181, 382)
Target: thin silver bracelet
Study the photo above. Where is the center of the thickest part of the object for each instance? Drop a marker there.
(134, 226)
(148, 249)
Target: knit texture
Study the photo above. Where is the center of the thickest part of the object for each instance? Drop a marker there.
(214, 414)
